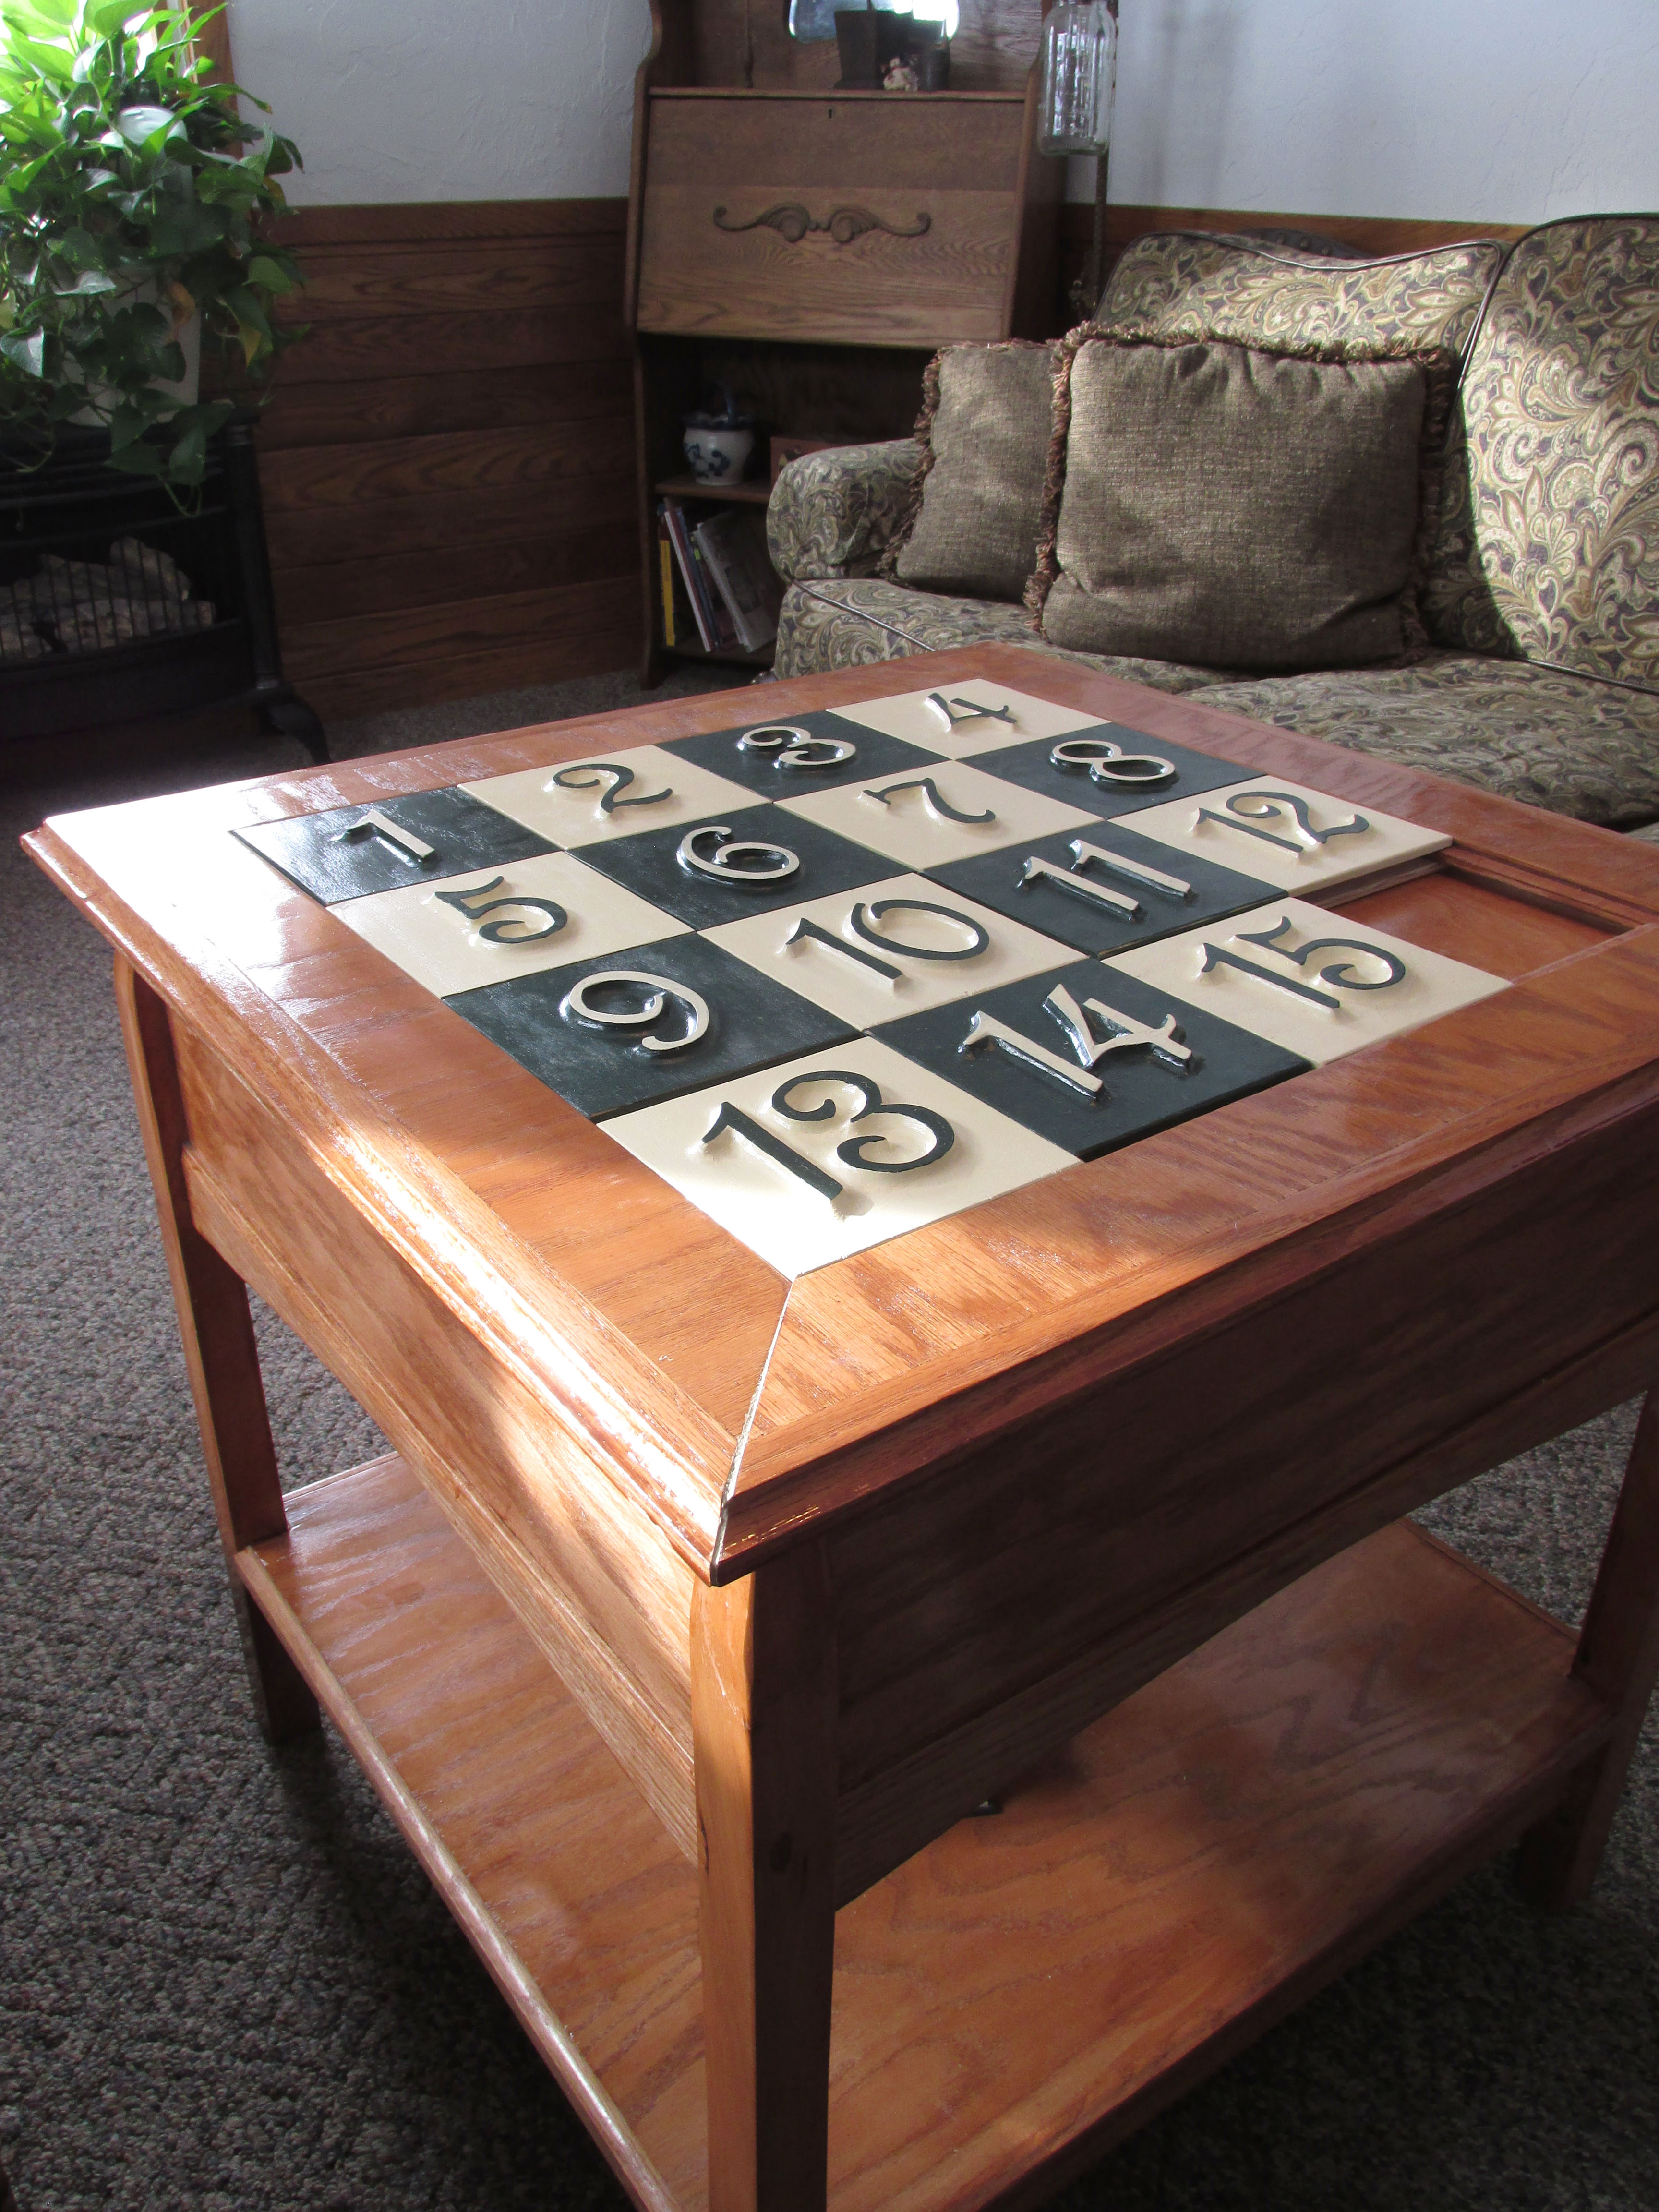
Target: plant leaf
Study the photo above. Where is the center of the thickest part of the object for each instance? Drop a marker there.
(140, 126)
(28, 352)
(126, 423)
(262, 270)
(189, 456)
(110, 17)
(138, 460)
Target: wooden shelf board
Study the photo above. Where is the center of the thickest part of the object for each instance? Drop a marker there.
(689, 487)
(1029, 1988)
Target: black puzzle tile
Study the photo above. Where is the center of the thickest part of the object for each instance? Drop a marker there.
(1027, 1052)
(766, 769)
(605, 1067)
(343, 854)
(1097, 890)
(806, 862)
(1084, 776)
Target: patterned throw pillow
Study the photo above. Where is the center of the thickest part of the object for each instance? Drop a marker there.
(977, 499)
(1199, 284)
(1232, 505)
(1548, 545)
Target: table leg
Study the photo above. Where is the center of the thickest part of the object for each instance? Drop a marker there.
(763, 1715)
(1618, 1658)
(220, 1354)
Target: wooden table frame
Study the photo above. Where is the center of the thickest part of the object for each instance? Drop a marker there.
(697, 1609)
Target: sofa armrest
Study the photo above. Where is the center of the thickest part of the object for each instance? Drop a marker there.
(832, 513)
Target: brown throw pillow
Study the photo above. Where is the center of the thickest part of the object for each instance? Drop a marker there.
(977, 503)
(1233, 505)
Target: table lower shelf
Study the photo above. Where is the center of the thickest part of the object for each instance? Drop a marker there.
(1029, 1988)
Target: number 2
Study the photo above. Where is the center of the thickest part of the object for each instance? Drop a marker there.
(1262, 806)
(583, 778)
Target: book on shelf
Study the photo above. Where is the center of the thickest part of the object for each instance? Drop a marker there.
(679, 625)
(715, 625)
(734, 547)
(726, 630)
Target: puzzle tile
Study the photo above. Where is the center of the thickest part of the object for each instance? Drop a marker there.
(801, 862)
(782, 1182)
(419, 837)
(1307, 980)
(1088, 1057)
(680, 1014)
(1109, 769)
(1101, 887)
(895, 947)
(614, 794)
(799, 754)
(1014, 715)
(1288, 834)
(917, 817)
(475, 929)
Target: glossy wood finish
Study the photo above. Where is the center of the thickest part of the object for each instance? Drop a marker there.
(763, 1702)
(1618, 1658)
(312, 1020)
(1013, 1468)
(456, 515)
(604, 1593)
(1029, 1989)
(221, 1357)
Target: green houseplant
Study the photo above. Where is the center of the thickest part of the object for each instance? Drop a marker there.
(131, 194)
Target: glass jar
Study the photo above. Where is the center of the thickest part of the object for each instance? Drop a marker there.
(1079, 77)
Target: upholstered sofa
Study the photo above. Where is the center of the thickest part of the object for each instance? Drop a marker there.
(1540, 593)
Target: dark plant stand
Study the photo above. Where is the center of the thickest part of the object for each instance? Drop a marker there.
(75, 505)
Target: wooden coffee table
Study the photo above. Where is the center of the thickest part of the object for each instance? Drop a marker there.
(702, 1601)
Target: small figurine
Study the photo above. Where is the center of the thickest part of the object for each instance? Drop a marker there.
(900, 77)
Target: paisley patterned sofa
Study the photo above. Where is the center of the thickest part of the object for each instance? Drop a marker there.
(1541, 597)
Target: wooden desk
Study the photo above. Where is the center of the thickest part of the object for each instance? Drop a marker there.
(699, 1607)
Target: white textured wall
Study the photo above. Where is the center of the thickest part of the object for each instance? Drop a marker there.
(1500, 111)
(446, 99)
(1494, 111)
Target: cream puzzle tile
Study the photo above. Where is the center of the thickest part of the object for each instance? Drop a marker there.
(1287, 833)
(1306, 980)
(574, 803)
(782, 1182)
(895, 949)
(512, 921)
(924, 818)
(911, 715)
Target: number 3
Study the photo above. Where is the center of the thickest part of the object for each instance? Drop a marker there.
(855, 1152)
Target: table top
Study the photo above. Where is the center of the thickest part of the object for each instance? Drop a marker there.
(747, 1377)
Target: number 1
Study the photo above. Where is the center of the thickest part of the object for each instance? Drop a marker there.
(741, 1124)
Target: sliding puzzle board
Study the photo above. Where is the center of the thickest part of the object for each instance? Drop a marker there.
(839, 976)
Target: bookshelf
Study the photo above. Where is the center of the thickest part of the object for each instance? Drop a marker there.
(811, 248)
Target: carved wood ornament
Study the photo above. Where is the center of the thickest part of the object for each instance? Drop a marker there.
(842, 225)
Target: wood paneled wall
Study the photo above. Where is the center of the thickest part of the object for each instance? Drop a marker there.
(447, 459)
